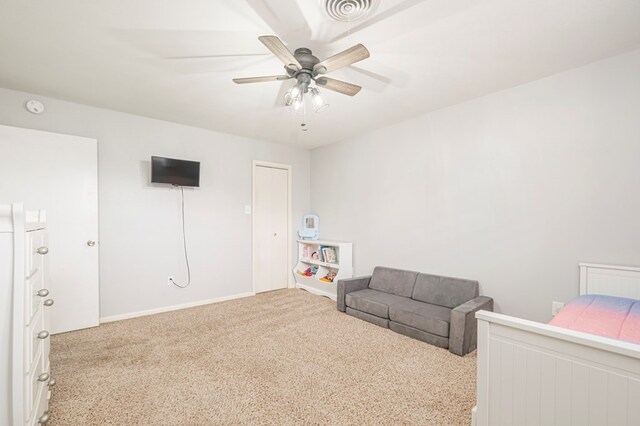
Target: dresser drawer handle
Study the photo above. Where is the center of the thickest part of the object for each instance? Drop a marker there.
(51, 382)
(42, 293)
(42, 250)
(43, 334)
(48, 302)
(44, 418)
(43, 377)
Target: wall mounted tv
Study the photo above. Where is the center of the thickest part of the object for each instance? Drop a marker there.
(175, 172)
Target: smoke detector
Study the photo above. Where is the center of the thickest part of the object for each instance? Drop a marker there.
(34, 106)
(350, 10)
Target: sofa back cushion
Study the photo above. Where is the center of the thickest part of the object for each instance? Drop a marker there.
(444, 291)
(393, 281)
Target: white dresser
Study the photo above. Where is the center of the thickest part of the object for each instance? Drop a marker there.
(24, 305)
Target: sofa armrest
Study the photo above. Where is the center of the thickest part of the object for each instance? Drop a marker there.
(346, 286)
(463, 331)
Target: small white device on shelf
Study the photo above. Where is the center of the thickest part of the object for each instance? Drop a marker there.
(321, 264)
(310, 227)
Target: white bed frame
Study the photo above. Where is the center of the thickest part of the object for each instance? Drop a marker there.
(536, 374)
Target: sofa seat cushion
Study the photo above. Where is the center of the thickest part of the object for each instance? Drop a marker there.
(373, 302)
(393, 281)
(430, 318)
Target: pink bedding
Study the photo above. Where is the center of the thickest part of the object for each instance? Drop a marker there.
(606, 316)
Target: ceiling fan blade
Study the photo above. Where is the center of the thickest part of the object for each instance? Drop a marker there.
(284, 18)
(238, 55)
(207, 65)
(375, 81)
(338, 86)
(347, 57)
(169, 43)
(278, 48)
(404, 5)
(245, 80)
(373, 75)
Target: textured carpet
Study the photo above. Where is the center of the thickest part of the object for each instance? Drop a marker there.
(280, 358)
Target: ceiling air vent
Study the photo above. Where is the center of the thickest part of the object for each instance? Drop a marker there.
(349, 10)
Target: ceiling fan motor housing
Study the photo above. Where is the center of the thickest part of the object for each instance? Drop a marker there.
(306, 73)
(303, 78)
(306, 59)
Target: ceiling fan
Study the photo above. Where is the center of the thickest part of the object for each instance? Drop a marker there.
(306, 69)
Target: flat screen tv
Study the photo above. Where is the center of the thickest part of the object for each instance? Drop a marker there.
(175, 172)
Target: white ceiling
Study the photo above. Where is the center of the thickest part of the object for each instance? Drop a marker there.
(129, 56)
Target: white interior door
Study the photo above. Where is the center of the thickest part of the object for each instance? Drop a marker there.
(271, 223)
(59, 173)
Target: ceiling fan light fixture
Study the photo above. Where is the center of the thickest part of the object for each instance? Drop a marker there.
(297, 103)
(288, 99)
(295, 91)
(319, 104)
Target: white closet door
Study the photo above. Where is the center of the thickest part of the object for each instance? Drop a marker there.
(262, 233)
(270, 233)
(59, 173)
(279, 222)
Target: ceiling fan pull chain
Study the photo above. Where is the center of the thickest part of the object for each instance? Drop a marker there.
(303, 125)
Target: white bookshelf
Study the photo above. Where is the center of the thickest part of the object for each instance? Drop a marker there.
(342, 267)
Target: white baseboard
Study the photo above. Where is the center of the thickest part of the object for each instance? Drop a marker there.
(173, 308)
(316, 291)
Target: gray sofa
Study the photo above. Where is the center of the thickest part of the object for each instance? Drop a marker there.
(437, 310)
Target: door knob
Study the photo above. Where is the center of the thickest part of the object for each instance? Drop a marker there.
(43, 377)
(43, 334)
(48, 302)
(43, 292)
(91, 243)
(42, 250)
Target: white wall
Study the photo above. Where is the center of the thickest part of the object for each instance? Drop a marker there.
(512, 189)
(140, 234)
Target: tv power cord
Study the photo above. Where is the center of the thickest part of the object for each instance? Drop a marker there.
(184, 244)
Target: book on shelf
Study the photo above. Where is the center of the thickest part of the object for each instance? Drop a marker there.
(329, 254)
